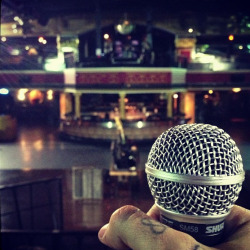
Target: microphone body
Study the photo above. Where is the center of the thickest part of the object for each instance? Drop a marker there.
(195, 175)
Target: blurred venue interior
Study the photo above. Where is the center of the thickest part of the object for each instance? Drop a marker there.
(85, 89)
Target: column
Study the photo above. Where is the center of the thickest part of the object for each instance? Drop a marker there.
(182, 103)
(77, 97)
(169, 105)
(65, 104)
(122, 105)
(189, 106)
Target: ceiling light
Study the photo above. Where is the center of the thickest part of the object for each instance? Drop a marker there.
(4, 91)
(106, 36)
(236, 90)
(124, 27)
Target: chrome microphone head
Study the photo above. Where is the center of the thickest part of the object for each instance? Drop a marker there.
(195, 172)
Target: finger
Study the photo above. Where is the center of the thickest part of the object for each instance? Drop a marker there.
(237, 229)
(237, 217)
(154, 212)
(131, 228)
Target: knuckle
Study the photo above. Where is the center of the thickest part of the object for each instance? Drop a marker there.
(172, 239)
(126, 212)
(185, 241)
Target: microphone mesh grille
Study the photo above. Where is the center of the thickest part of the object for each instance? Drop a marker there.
(196, 150)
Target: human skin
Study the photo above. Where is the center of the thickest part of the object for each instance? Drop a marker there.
(130, 228)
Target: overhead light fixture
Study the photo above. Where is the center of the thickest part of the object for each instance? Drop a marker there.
(4, 91)
(124, 27)
(50, 95)
(21, 94)
(106, 36)
(231, 37)
(236, 90)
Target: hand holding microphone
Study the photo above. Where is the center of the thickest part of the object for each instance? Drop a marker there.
(195, 174)
(130, 228)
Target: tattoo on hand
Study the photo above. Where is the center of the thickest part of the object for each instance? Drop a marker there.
(154, 226)
(197, 247)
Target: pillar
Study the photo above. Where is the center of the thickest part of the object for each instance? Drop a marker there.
(169, 105)
(189, 106)
(122, 105)
(77, 97)
(182, 103)
(65, 104)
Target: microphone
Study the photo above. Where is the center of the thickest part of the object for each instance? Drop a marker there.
(195, 174)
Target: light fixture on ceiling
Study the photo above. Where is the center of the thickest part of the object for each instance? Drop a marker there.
(124, 27)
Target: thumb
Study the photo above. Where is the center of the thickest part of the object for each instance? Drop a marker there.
(131, 228)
